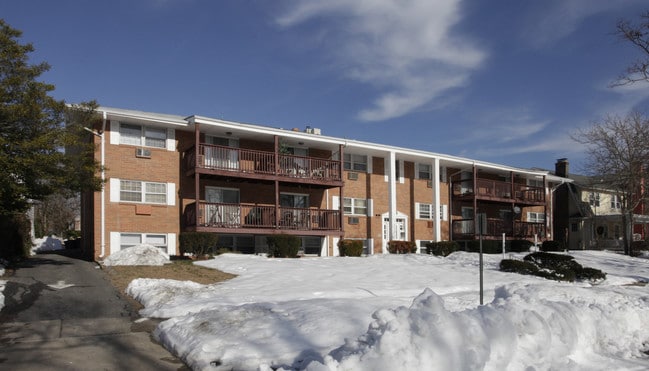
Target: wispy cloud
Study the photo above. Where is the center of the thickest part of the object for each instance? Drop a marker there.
(560, 18)
(409, 50)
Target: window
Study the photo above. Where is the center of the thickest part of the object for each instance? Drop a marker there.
(533, 217)
(127, 240)
(355, 162)
(615, 202)
(357, 206)
(574, 227)
(424, 171)
(535, 183)
(142, 136)
(593, 199)
(425, 211)
(147, 192)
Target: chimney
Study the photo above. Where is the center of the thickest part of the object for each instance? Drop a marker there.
(561, 167)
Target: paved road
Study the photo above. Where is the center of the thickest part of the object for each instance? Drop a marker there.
(62, 313)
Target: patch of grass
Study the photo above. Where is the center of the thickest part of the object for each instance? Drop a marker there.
(182, 270)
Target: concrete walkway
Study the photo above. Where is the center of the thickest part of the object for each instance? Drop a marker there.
(62, 313)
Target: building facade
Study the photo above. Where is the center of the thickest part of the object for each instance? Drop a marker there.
(167, 174)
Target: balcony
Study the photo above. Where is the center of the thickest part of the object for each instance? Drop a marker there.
(464, 229)
(254, 218)
(498, 191)
(248, 163)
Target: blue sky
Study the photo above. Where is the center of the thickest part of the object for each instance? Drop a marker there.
(505, 81)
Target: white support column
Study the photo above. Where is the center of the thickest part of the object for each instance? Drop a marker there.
(437, 202)
(392, 194)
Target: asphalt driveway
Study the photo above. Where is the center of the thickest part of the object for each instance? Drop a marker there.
(62, 313)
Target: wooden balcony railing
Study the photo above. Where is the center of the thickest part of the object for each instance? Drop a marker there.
(223, 215)
(493, 189)
(464, 228)
(262, 162)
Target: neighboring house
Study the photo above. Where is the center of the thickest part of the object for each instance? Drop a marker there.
(589, 216)
(168, 174)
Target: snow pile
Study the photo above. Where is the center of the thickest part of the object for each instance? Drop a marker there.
(45, 244)
(377, 313)
(143, 254)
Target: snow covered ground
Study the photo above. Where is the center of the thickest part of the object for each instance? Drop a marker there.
(406, 312)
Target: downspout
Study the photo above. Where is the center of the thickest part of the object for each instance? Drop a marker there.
(103, 186)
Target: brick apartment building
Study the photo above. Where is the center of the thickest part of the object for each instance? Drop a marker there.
(169, 174)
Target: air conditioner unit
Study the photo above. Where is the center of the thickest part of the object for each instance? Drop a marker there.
(143, 152)
(353, 220)
(352, 176)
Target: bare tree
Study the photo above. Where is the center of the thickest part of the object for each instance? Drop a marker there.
(618, 154)
(56, 214)
(638, 36)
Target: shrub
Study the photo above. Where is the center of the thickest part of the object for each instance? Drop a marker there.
(552, 246)
(350, 247)
(591, 274)
(518, 266)
(283, 246)
(443, 248)
(197, 243)
(488, 246)
(402, 247)
(552, 266)
(520, 245)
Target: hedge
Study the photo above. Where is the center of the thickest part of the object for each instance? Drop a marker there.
(283, 246)
(443, 248)
(350, 247)
(402, 247)
(197, 243)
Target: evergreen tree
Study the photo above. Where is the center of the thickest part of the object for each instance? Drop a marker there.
(33, 138)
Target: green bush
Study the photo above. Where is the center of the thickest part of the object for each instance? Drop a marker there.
(197, 243)
(283, 245)
(402, 247)
(518, 266)
(552, 266)
(488, 246)
(552, 246)
(443, 248)
(350, 247)
(520, 245)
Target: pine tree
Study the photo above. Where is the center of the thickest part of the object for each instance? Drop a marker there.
(33, 136)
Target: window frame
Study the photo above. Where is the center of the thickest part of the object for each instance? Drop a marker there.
(143, 240)
(616, 202)
(594, 199)
(144, 194)
(533, 217)
(353, 207)
(354, 162)
(145, 138)
(429, 171)
(428, 211)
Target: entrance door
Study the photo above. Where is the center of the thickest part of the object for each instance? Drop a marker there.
(400, 227)
(295, 211)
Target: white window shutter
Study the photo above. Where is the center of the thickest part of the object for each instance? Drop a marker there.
(114, 132)
(386, 168)
(416, 210)
(114, 242)
(370, 207)
(335, 202)
(171, 194)
(416, 170)
(114, 189)
(369, 164)
(171, 244)
(444, 212)
(401, 170)
(171, 139)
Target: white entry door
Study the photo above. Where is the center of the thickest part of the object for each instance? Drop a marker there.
(400, 226)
